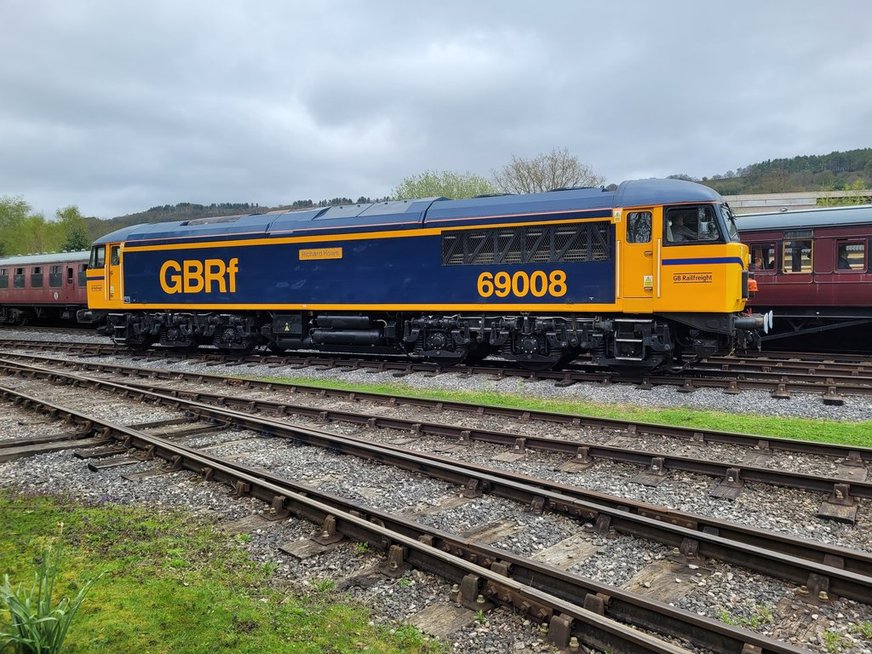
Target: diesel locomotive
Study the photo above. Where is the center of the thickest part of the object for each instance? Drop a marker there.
(638, 276)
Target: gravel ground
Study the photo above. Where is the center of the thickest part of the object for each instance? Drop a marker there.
(779, 509)
(762, 604)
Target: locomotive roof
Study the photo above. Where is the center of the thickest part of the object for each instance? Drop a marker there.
(31, 259)
(406, 214)
(824, 217)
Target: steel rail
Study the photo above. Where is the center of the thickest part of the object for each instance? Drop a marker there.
(830, 575)
(572, 604)
(777, 383)
(631, 427)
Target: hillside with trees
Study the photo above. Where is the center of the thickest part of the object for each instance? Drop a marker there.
(836, 171)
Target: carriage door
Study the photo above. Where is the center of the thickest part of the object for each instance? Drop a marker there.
(638, 261)
(114, 272)
(69, 285)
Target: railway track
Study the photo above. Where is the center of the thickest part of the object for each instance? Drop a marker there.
(571, 606)
(844, 488)
(831, 380)
(673, 528)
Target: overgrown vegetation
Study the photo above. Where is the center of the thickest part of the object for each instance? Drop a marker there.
(827, 431)
(172, 585)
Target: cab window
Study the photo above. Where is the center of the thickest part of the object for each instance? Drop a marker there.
(98, 257)
(115, 256)
(691, 225)
(762, 257)
(797, 256)
(639, 227)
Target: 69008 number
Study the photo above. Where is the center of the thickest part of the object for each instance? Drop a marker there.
(521, 284)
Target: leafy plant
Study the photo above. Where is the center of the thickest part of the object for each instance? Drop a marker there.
(480, 617)
(38, 625)
(864, 629)
(361, 547)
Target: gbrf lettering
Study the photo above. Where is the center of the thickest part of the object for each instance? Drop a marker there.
(195, 276)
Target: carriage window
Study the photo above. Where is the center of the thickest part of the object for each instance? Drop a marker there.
(18, 278)
(796, 256)
(762, 257)
(55, 277)
(639, 227)
(98, 256)
(4, 278)
(36, 277)
(850, 256)
(691, 225)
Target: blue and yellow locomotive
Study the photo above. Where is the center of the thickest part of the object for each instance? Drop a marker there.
(635, 276)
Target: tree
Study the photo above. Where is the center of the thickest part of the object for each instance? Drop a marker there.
(14, 213)
(445, 184)
(74, 229)
(557, 169)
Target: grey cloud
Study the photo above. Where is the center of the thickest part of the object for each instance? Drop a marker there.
(116, 107)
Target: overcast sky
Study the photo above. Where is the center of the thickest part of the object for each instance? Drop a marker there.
(118, 106)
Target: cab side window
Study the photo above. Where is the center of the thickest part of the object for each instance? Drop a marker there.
(639, 227)
(691, 225)
(115, 258)
(98, 257)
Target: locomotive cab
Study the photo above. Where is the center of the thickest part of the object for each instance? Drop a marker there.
(683, 262)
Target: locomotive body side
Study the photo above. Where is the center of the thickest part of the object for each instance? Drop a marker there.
(537, 278)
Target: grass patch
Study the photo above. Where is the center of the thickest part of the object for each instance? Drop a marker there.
(825, 431)
(171, 585)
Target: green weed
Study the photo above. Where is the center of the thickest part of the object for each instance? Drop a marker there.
(833, 641)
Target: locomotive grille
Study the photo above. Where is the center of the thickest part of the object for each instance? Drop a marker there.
(531, 244)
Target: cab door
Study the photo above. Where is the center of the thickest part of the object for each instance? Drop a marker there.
(113, 273)
(640, 253)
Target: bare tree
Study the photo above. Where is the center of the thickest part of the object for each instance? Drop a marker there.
(557, 169)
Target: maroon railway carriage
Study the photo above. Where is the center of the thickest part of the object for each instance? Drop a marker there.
(42, 287)
(813, 268)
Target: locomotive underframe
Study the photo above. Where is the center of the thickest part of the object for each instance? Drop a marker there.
(531, 340)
